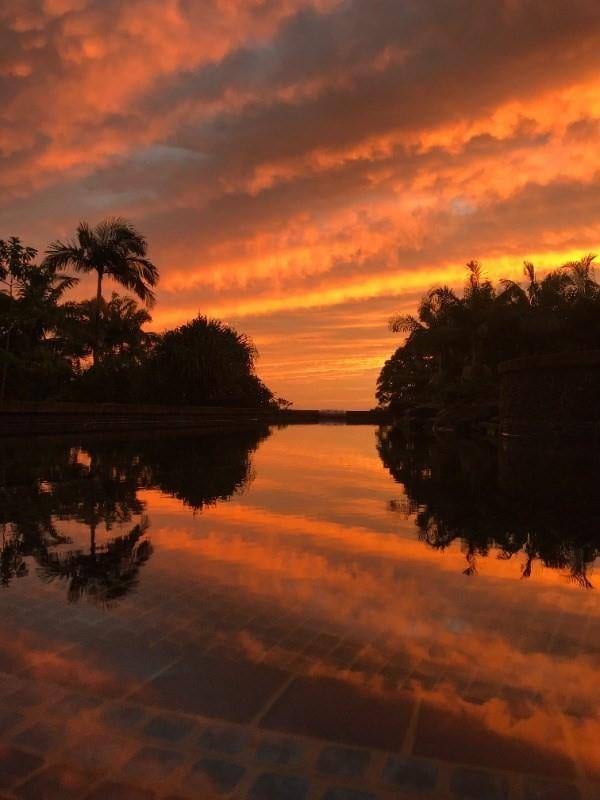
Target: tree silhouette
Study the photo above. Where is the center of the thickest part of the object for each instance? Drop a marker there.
(95, 481)
(454, 343)
(47, 344)
(29, 311)
(122, 323)
(206, 362)
(114, 248)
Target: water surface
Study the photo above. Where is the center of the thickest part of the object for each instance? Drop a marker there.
(311, 612)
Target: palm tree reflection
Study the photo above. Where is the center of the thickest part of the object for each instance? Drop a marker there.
(104, 574)
(95, 482)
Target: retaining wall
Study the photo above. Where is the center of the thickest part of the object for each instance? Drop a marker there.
(56, 418)
(551, 395)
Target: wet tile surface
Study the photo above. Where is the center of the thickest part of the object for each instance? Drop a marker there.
(214, 687)
(344, 793)
(214, 775)
(329, 709)
(452, 736)
(471, 784)
(59, 782)
(280, 751)
(119, 791)
(343, 762)
(273, 786)
(15, 764)
(291, 638)
(410, 774)
(169, 729)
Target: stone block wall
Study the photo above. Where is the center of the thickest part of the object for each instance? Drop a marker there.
(550, 395)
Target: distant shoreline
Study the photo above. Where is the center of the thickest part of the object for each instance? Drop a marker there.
(23, 419)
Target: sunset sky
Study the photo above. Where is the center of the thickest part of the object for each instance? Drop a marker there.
(305, 168)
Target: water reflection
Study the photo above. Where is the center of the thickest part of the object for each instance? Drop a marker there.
(105, 573)
(542, 502)
(96, 483)
(286, 611)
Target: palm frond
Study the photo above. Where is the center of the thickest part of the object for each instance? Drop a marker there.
(404, 324)
(529, 271)
(61, 255)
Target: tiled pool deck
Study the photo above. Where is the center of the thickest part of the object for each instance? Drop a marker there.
(118, 706)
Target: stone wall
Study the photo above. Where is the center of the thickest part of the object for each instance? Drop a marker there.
(57, 418)
(551, 395)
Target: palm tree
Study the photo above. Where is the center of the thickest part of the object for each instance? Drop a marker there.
(14, 259)
(113, 248)
(582, 278)
(122, 321)
(513, 291)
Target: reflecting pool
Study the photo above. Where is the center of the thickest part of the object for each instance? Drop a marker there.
(305, 613)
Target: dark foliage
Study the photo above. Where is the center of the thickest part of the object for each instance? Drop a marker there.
(455, 343)
(99, 350)
(95, 482)
(537, 503)
(205, 362)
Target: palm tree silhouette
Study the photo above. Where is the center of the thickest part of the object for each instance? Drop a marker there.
(512, 290)
(122, 331)
(114, 248)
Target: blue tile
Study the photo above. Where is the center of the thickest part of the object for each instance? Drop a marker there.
(409, 773)
(343, 793)
(123, 716)
(16, 764)
(152, 762)
(272, 786)
(221, 776)
(9, 719)
(229, 741)
(97, 750)
(282, 752)
(474, 784)
(40, 737)
(74, 704)
(55, 783)
(119, 791)
(343, 761)
(545, 789)
(170, 729)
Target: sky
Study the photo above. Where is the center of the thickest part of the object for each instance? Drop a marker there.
(304, 169)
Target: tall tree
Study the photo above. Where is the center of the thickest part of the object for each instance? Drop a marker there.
(14, 258)
(454, 344)
(122, 331)
(114, 248)
(206, 362)
(29, 310)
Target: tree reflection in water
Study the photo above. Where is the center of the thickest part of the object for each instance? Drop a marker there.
(519, 498)
(105, 573)
(95, 482)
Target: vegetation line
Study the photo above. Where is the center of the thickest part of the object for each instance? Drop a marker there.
(99, 350)
(454, 344)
